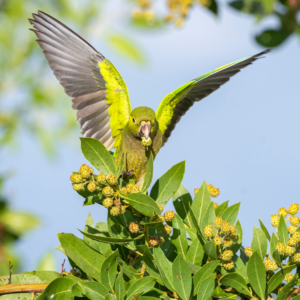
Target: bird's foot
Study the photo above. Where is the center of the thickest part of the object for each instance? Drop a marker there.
(126, 174)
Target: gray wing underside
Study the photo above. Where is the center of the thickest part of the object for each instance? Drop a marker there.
(75, 64)
(205, 86)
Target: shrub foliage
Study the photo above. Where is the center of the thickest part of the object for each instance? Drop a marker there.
(143, 252)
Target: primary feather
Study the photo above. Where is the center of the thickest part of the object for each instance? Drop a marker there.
(100, 96)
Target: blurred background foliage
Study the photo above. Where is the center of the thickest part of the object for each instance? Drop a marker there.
(32, 101)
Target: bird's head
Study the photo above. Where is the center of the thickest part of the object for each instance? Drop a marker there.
(142, 122)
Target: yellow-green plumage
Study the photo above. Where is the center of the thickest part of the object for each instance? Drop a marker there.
(100, 96)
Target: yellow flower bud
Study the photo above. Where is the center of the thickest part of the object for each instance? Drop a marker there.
(85, 171)
(227, 242)
(289, 250)
(291, 229)
(196, 191)
(225, 228)
(292, 242)
(296, 257)
(179, 22)
(218, 222)
(296, 236)
(132, 188)
(160, 207)
(161, 241)
(270, 264)
(111, 179)
(91, 187)
(167, 229)
(218, 240)
(159, 218)
(101, 178)
(122, 209)
(254, 298)
(107, 202)
(227, 255)
(293, 209)
(78, 187)
(274, 220)
(124, 190)
(282, 212)
(288, 277)
(214, 192)
(208, 231)
(281, 248)
(232, 229)
(228, 265)
(76, 178)
(134, 227)
(295, 221)
(108, 191)
(154, 241)
(248, 251)
(216, 205)
(115, 211)
(169, 215)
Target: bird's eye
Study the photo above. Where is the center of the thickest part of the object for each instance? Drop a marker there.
(133, 119)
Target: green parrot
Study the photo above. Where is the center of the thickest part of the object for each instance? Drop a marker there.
(100, 96)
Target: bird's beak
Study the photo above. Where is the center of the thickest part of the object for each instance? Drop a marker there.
(145, 129)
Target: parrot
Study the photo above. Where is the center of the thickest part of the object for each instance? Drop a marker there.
(100, 96)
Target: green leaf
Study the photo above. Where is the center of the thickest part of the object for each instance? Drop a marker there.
(211, 250)
(219, 210)
(95, 152)
(109, 297)
(257, 274)
(90, 289)
(118, 231)
(201, 203)
(103, 248)
(272, 38)
(283, 233)
(128, 270)
(194, 268)
(182, 278)
(145, 251)
(277, 258)
(278, 277)
(152, 270)
(204, 283)
(157, 225)
(120, 287)
(192, 232)
(240, 267)
(182, 201)
(200, 235)
(168, 184)
(60, 289)
(149, 174)
(44, 276)
(143, 204)
(109, 240)
(265, 230)
(195, 253)
(109, 271)
(126, 47)
(178, 238)
(142, 285)
(26, 278)
(87, 259)
(165, 268)
(120, 167)
(209, 216)
(230, 213)
(274, 242)
(18, 223)
(259, 242)
(237, 282)
(284, 293)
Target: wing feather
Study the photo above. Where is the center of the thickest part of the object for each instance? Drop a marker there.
(99, 94)
(177, 103)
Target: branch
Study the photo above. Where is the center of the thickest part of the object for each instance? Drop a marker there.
(19, 288)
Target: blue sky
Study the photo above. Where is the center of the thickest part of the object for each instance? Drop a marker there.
(244, 138)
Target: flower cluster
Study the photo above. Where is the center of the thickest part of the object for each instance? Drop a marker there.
(178, 10)
(224, 235)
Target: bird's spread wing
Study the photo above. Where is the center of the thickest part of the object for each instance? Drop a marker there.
(177, 103)
(99, 94)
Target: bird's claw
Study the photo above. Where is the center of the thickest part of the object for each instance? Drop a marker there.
(126, 174)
